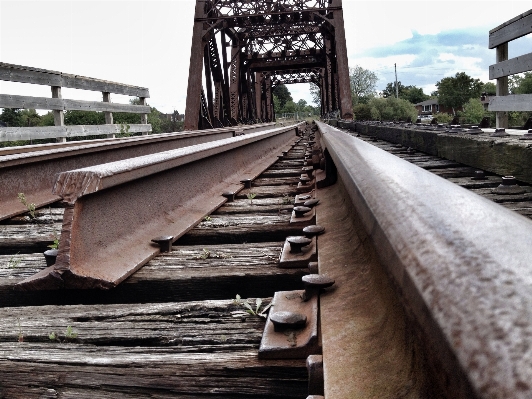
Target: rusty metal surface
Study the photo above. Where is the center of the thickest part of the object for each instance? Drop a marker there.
(298, 259)
(115, 209)
(271, 43)
(291, 343)
(33, 173)
(460, 262)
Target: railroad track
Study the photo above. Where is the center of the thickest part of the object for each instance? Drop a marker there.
(432, 295)
(168, 330)
(516, 197)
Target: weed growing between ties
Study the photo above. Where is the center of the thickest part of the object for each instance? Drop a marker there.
(29, 205)
(249, 310)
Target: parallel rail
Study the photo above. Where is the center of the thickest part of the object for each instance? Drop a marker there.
(32, 170)
(450, 316)
(111, 212)
(460, 264)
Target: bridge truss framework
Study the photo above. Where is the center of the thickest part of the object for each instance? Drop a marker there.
(242, 49)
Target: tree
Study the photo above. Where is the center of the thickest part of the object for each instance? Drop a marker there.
(389, 91)
(282, 93)
(489, 88)
(11, 117)
(414, 94)
(521, 84)
(315, 94)
(30, 117)
(473, 111)
(363, 84)
(455, 91)
(391, 108)
(410, 93)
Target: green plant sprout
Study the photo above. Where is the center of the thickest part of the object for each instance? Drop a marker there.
(250, 197)
(124, 130)
(206, 254)
(12, 263)
(70, 334)
(287, 200)
(29, 206)
(257, 311)
(55, 245)
(207, 218)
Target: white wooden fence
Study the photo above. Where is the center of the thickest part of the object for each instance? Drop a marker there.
(57, 80)
(498, 39)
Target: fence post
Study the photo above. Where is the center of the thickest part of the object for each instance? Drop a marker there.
(59, 115)
(108, 115)
(501, 117)
(143, 117)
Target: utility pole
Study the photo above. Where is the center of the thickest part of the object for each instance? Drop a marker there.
(396, 87)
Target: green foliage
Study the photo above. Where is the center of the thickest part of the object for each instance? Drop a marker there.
(69, 335)
(283, 94)
(443, 117)
(362, 112)
(11, 117)
(473, 111)
(13, 262)
(489, 88)
(389, 109)
(250, 197)
(30, 117)
(315, 94)
(287, 200)
(455, 91)
(517, 118)
(256, 311)
(29, 205)
(363, 84)
(410, 93)
(55, 245)
(521, 83)
(84, 118)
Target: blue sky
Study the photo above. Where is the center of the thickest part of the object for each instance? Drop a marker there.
(148, 43)
(428, 40)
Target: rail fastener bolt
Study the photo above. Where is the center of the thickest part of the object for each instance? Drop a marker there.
(314, 283)
(297, 244)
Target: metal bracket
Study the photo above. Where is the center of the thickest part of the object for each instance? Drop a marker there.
(290, 260)
(291, 343)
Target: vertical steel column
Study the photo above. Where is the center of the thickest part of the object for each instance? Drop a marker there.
(192, 111)
(269, 97)
(258, 95)
(234, 84)
(344, 85)
(328, 74)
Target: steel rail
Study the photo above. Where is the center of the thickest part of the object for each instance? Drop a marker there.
(32, 169)
(460, 263)
(115, 209)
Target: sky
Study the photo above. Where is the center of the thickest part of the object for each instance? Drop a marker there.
(148, 43)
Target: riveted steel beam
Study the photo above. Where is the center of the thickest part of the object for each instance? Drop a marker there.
(266, 37)
(116, 209)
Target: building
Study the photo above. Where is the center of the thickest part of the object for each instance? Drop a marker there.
(432, 106)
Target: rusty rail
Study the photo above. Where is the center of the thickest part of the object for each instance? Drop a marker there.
(32, 169)
(459, 262)
(115, 209)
